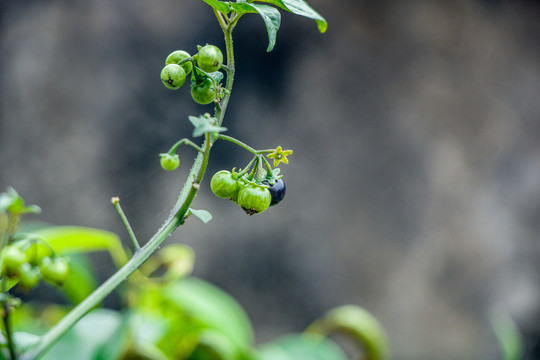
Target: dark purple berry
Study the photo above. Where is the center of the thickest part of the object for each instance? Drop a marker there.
(277, 191)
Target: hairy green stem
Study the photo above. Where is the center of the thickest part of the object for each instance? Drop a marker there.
(189, 190)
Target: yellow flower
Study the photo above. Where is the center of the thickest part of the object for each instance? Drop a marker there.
(280, 156)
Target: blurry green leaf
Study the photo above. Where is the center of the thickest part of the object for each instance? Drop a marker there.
(213, 307)
(301, 347)
(146, 328)
(222, 7)
(300, 7)
(24, 340)
(215, 346)
(74, 239)
(202, 215)
(508, 335)
(359, 324)
(81, 280)
(31, 209)
(88, 337)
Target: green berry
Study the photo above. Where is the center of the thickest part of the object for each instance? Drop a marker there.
(169, 162)
(13, 259)
(224, 185)
(54, 271)
(173, 76)
(210, 58)
(177, 56)
(254, 199)
(28, 276)
(203, 93)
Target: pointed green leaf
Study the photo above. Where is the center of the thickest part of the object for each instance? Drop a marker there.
(205, 124)
(202, 215)
(270, 16)
(272, 20)
(300, 7)
(222, 7)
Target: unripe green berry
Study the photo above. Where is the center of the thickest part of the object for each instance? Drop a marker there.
(254, 199)
(224, 185)
(13, 259)
(54, 271)
(177, 56)
(203, 93)
(169, 162)
(173, 76)
(210, 58)
(28, 275)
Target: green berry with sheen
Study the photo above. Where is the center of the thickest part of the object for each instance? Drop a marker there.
(254, 199)
(210, 58)
(203, 93)
(224, 185)
(177, 56)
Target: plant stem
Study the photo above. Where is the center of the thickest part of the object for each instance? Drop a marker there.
(239, 143)
(116, 203)
(189, 190)
(184, 141)
(9, 337)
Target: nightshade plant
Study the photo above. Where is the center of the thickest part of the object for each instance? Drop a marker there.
(181, 317)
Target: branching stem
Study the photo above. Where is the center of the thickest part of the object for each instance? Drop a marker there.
(188, 193)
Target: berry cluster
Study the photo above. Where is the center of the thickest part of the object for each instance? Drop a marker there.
(205, 78)
(253, 192)
(27, 261)
(25, 258)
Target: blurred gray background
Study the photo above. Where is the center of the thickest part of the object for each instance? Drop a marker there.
(413, 191)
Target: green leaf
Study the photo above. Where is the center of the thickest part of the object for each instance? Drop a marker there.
(508, 334)
(222, 7)
(205, 124)
(300, 7)
(202, 215)
(87, 339)
(31, 209)
(294, 347)
(272, 20)
(213, 307)
(270, 15)
(217, 76)
(76, 239)
(359, 324)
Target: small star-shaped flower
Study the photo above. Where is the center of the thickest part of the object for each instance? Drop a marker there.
(280, 156)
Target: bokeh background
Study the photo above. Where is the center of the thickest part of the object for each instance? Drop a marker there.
(413, 191)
